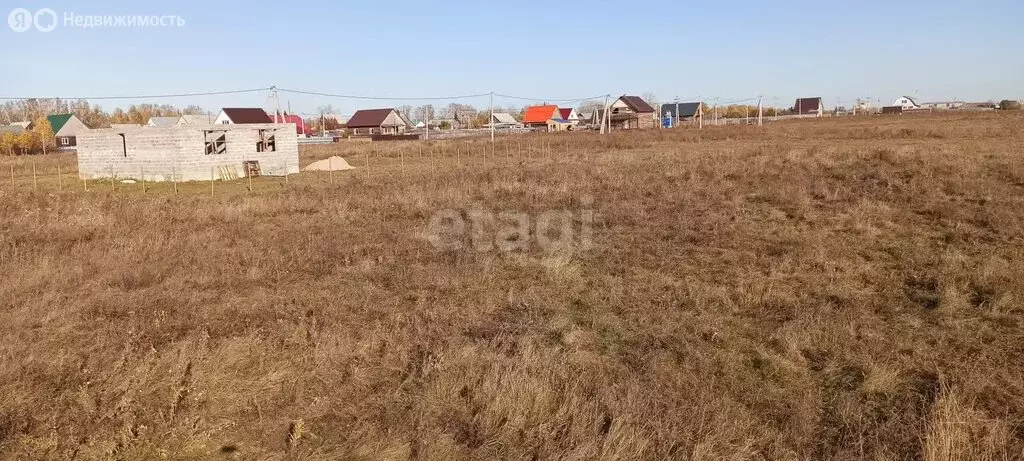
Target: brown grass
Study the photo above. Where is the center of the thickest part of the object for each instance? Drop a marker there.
(834, 289)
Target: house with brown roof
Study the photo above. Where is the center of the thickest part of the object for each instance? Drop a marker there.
(377, 121)
(241, 115)
(628, 113)
(809, 106)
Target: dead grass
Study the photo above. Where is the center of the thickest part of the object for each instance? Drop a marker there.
(835, 289)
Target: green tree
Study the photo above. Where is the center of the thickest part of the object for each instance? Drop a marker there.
(1009, 104)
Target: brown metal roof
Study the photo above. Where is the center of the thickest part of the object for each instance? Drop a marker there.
(637, 104)
(805, 105)
(247, 115)
(368, 118)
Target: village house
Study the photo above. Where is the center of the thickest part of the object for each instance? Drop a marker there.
(161, 121)
(541, 117)
(504, 120)
(627, 113)
(66, 128)
(241, 115)
(679, 112)
(809, 106)
(905, 102)
(12, 129)
(377, 121)
(195, 120)
(570, 115)
(301, 129)
(188, 153)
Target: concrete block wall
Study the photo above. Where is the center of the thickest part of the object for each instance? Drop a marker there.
(179, 152)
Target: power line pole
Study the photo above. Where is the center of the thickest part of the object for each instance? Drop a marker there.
(760, 113)
(490, 119)
(277, 103)
(604, 113)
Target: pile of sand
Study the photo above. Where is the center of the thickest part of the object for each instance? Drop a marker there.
(329, 164)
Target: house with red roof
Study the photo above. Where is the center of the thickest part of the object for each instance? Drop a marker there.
(547, 116)
(301, 129)
(569, 115)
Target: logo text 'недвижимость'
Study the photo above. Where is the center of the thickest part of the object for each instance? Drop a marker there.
(46, 20)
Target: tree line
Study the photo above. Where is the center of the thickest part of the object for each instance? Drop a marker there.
(92, 115)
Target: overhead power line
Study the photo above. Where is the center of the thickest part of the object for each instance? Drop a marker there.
(549, 99)
(146, 96)
(381, 98)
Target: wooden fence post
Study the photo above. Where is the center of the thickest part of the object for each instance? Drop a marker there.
(35, 184)
(211, 181)
(60, 179)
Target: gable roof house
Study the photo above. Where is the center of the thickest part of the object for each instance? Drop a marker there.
(377, 121)
(503, 119)
(301, 129)
(241, 115)
(162, 121)
(195, 120)
(537, 116)
(628, 112)
(12, 129)
(66, 128)
(686, 111)
(570, 115)
(906, 103)
(809, 106)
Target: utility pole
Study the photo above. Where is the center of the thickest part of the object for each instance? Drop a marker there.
(490, 119)
(716, 113)
(426, 115)
(604, 114)
(760, 113)
(676, 118)
(277, 102)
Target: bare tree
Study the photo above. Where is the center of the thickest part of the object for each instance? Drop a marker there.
(405, 109)
(424, 112)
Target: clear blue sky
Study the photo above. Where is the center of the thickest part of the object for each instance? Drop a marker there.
(936, 50)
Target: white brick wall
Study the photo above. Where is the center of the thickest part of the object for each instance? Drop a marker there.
(179, 152)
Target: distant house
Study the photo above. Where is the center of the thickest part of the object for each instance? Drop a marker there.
(241, 115)
(943, 105)
(300, 125)
(12, 129)
(195, 120)
(809, 106)
(905, 102)
(23, 125)
(162, 121)
(503, 119)
(65, 129)
(377, 121)
(539, 116)
(686, 111)
(569, 115)
(627, 112)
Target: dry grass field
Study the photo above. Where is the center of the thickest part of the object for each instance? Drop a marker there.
(816, 289)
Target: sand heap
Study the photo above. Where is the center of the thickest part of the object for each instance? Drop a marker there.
(329, 164)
